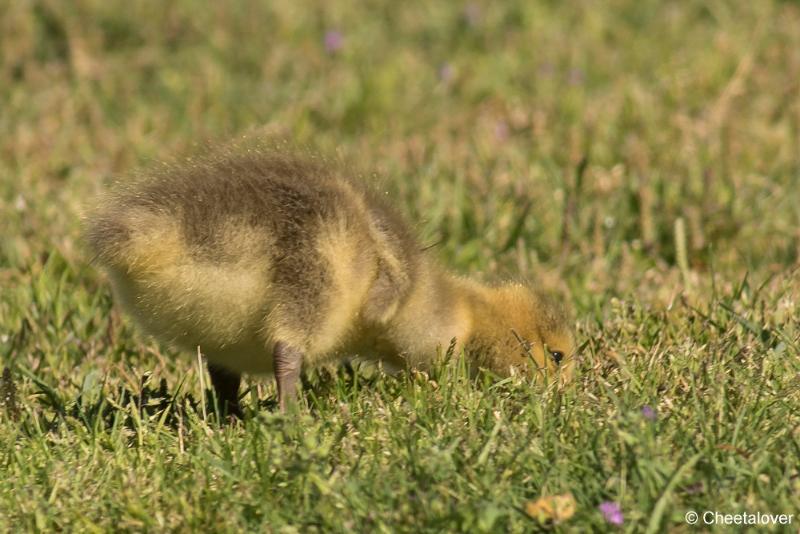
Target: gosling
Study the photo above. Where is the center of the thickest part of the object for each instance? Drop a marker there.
(268, 261)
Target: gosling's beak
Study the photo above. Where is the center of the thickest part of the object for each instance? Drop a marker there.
(567, 368)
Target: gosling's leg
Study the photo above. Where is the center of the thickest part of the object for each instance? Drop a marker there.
(288, 362)
(226, 386)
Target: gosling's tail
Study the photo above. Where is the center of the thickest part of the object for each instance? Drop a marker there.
(133, 239)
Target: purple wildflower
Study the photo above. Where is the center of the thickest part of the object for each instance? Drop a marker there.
(472, 14)
(648, 412)
(446, 72)
(612, 512)
(501, 130)
(334, 41)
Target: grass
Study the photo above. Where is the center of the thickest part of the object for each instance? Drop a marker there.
(643, 155)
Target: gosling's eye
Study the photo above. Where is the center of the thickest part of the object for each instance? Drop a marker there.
(557, 356)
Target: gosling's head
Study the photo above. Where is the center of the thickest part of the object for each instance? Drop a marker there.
(524, 330)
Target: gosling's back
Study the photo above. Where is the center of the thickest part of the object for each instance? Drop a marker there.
(236, 249)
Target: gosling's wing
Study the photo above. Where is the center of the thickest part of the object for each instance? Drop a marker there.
(397, 255)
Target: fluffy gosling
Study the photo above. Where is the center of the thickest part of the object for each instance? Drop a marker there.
(269, 261)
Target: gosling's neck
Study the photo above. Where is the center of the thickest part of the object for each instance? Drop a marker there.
(440, 308)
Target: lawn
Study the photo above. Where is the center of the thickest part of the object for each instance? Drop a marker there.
(641, 156)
